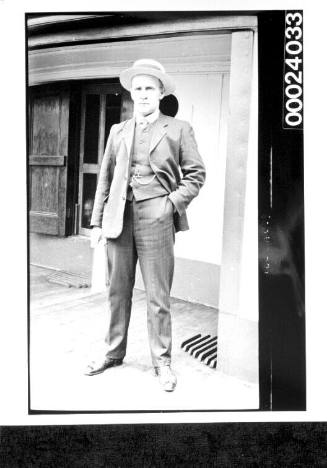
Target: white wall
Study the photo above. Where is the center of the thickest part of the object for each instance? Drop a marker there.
(203, 103)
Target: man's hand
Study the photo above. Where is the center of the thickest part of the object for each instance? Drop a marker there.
(96, 234)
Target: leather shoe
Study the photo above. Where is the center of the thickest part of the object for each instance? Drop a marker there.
(93, 368)
(167, 378)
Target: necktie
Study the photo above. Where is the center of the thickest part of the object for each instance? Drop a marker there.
(143, 123)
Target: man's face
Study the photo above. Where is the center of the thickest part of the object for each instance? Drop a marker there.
(146, 94)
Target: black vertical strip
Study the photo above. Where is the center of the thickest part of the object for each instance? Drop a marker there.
(281, 232)
(265, 22)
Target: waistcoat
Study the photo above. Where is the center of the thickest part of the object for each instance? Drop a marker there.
(143, 183)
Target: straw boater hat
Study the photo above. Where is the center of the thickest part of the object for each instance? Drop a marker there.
(147, 67)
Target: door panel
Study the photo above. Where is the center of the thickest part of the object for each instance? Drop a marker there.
(49, 115)
(44, 182)
(45, 125)
(92, 130)
(89, 188)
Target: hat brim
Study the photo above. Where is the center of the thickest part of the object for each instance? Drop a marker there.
(126, 77)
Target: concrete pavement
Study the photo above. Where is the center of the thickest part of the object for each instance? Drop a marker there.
(67, 328)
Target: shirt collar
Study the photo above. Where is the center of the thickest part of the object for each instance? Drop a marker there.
(149, 118)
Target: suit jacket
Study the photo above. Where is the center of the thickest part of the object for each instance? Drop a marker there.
(174, 158)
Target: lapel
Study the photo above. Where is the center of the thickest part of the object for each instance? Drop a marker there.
(159, 131)
(128, 135)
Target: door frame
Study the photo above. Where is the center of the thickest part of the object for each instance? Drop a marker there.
(89, 168)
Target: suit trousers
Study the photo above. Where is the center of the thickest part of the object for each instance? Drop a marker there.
(148, 236)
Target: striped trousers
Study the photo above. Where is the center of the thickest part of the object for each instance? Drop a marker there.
(148, 237)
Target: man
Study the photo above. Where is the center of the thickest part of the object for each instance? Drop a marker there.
(140, 203)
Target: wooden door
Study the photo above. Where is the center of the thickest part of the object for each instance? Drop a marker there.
(102, 106)
(48, 149)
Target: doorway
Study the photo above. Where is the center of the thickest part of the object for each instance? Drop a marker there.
(102, 105)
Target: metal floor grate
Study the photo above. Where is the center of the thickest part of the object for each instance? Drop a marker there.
(203, 348)
(71, 280)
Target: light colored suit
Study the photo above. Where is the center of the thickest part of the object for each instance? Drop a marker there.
(145, 230)
(173, 146)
